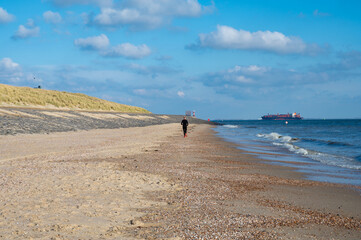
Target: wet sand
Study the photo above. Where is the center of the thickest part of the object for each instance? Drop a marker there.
(151, 183)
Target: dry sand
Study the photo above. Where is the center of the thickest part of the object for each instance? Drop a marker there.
(60, 186)
(151, 183)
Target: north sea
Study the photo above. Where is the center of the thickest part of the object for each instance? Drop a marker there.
(324, 150)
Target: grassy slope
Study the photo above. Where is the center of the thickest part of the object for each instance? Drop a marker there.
(25, 96)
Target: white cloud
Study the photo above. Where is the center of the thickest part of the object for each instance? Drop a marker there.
(237, 76)
(112, 17)
(180, 93)
(5, 17)
(24, 32)
(6, 64)
(243, 79)
(128, 50)
(30, 30)
(12, 73)
(148, 14)
(30, 23)
(152, 70)
(317, 13)
(249, 70)
(101, 44)
(184, 8)
(140, 91)
(137, 68)
(65, 3)
(52, 17)
(164, 58)
(92, 43)
(226, 37)
(9, 71)
(254, 68)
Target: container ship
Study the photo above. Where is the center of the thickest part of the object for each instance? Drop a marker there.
(288, 116)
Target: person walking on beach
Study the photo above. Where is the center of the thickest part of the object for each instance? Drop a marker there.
(184, 123)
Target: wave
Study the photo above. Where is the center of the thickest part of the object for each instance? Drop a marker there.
(230, 126)
(276, 136)
(328, 159)
(327, 142)
(293, 148)
(340, 161)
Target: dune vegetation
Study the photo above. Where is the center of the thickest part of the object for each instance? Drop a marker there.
(36, 97)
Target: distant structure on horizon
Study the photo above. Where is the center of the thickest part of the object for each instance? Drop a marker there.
(191, 113)
(288, 116)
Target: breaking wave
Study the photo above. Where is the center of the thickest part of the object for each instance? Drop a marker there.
(230, 126)
(287, 142)
(278, 137)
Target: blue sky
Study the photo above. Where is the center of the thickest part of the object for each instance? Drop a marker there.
(224, 59)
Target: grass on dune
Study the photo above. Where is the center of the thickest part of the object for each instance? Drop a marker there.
(32, 97)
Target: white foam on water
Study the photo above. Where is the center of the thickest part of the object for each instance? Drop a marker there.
(230, 126)
(286, 139)
(334, 160)
(278, 137)
(292, 148)
(328, 159)
(274, 136)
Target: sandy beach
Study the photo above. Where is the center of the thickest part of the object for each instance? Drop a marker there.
(151, 183)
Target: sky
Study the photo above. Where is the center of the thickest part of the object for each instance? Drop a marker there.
(229, 59)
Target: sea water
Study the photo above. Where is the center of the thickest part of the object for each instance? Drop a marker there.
(324, 150)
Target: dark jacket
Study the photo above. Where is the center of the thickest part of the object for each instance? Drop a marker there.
(184, 123)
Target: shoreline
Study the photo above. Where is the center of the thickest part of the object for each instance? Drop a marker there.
(324, 157)
(297, 164)
(232, 195)
(150, 182)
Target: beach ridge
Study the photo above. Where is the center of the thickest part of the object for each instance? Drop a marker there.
(15, 120)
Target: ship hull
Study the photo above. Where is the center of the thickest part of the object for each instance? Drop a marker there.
(280, 118)
(287, 116)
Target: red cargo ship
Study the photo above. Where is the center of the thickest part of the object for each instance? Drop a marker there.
(288, 116)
